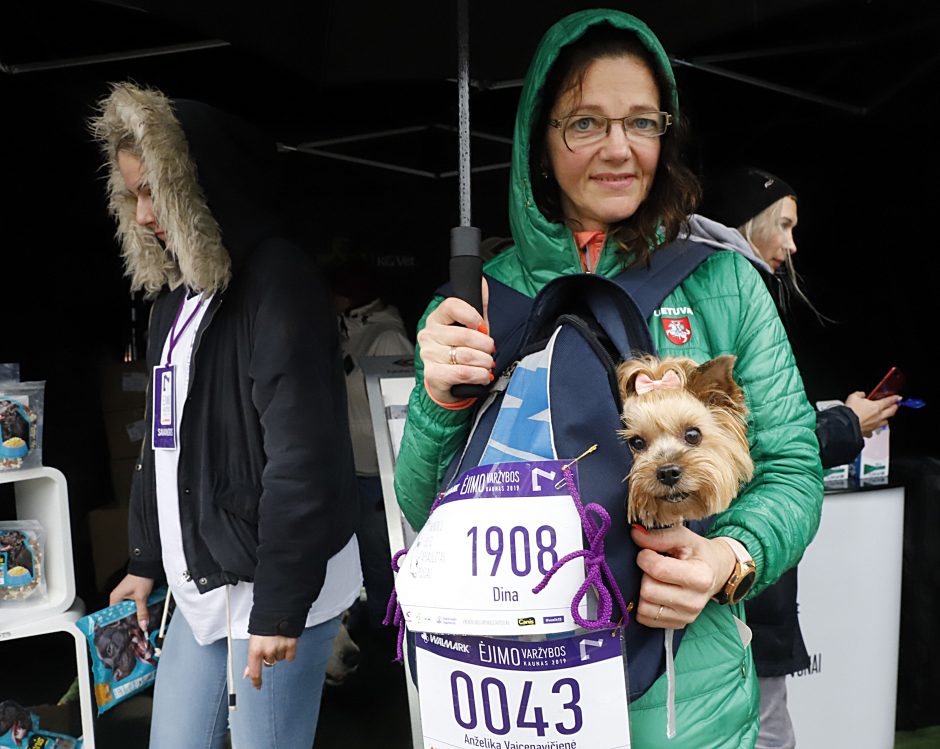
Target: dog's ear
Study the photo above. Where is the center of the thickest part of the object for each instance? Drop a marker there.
(628, 371)
(713, 384)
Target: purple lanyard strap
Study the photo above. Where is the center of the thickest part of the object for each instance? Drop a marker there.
(174, 336)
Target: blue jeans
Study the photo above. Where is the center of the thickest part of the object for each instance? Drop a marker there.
(190, 703)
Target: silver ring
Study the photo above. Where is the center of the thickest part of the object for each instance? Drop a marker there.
(659, 613)
(453, 354)
(265, 662)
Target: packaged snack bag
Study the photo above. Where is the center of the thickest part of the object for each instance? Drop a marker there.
(123, 656)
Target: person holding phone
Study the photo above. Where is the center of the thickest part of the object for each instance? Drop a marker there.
(763, 208)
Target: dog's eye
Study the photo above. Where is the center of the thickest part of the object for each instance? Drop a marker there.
(693, 436)
(637, 443)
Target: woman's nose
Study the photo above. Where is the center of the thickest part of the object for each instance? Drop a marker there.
(616, 145)
(145, 215)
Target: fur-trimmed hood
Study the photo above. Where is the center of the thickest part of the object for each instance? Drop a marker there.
(211, 179)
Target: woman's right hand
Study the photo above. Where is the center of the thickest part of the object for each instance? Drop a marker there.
(472, 347)
(872, 415)
(136, 589)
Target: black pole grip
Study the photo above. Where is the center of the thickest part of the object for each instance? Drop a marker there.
(466, 279)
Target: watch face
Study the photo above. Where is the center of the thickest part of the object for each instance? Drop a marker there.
(744, 585)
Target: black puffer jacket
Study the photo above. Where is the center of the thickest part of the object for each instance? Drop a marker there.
(773, 616)
(266, 476)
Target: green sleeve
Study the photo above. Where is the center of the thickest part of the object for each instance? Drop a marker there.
(777, 514)
(431, 438)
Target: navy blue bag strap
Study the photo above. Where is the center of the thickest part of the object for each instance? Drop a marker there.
(669, 266)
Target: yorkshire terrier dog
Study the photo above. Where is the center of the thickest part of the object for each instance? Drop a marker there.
(686, 425)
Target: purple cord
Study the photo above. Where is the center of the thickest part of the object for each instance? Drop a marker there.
(393, 616)
(393, 613)
(597, 568)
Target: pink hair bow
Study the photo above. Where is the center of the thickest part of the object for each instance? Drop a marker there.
(670, 381)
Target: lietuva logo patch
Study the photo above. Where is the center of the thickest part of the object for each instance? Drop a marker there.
(677, 323)
(678, 329)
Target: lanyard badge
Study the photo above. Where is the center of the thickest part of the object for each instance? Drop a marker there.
(164, 407)
(164, 435)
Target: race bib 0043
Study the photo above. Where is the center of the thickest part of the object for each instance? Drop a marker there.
(566, 693)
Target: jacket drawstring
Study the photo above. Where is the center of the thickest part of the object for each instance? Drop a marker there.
(230, 671)
(162, 633)
(670, 684)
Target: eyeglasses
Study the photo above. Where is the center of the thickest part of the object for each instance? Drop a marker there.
(581, 131)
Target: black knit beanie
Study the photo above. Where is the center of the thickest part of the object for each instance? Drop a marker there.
(740, 194)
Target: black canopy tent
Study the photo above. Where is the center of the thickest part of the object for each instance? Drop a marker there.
(832, 94)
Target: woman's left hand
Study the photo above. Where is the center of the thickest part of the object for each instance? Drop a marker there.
(266, 650)
(675, 588)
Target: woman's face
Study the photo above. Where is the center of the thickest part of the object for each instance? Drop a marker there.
(776, 242)
(608, 181)
(129, 166)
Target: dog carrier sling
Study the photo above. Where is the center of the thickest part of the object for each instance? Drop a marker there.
(556, 394)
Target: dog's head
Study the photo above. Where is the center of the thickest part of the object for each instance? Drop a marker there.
(12, 540)
(686, 425)
(15, 719)
(344, 660)
(120, 644)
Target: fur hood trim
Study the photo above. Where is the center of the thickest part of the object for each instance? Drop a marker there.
(194, 255)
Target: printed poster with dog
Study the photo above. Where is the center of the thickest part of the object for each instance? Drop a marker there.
(501, 694)
(494, 536)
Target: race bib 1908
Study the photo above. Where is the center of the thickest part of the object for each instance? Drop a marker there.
(505, 694)
(498, 530)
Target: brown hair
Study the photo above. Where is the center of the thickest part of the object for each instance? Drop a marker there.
(675, 192)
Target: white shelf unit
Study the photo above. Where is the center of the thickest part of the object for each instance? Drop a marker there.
(42, 494)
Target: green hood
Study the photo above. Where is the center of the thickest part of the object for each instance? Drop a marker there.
(545, 250)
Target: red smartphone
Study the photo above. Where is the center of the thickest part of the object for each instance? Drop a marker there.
(891, 384)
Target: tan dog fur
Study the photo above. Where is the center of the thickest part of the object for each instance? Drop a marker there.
(689, 444)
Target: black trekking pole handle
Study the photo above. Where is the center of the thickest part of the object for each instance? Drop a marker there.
(466, 279)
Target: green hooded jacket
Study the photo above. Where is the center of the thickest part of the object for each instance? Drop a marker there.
(729, 311)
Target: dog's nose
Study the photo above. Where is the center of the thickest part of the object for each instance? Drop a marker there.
(351, 658)
(669, 475)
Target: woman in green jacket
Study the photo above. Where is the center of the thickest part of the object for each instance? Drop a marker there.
(597, 185)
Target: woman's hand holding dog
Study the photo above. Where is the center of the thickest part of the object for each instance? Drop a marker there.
(456, 354)
(136, 589)
(266, 650)
(675, 588)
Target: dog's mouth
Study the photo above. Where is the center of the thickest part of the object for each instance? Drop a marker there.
(675, 497)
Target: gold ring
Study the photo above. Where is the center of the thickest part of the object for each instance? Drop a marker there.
(453, 354)
(659, 613)
(265, 662)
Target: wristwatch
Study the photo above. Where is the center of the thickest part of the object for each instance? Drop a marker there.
(742, 577)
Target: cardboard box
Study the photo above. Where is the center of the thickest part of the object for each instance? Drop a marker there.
(122, 472)
(65, 719)
(871, 465)
(108, 528)
(123, 385)
(125, 432)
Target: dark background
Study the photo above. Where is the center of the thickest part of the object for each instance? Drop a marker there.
(835, 96)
